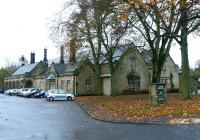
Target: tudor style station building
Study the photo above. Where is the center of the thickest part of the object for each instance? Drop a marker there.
(132, 73)
(43, 75)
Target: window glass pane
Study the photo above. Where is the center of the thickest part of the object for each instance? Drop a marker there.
(88, 83)
(61, 91)
(134, 83)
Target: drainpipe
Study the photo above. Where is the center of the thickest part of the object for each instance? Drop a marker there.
(74, 83)
(75, 86)
(57, 81)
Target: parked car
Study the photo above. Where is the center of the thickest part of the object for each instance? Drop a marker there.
(30, 92)
(57, 94)
(14, 91)
(40, 94)
(8, 92)
(23, 91)
(11, 92)
(2, 90)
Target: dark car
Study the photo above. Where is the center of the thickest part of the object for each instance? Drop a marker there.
(31, 92)
(40, 94)
(2, 90)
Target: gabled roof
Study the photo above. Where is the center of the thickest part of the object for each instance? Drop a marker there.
(57, 60)
(64, 68)
(146, 54)
(22, 70)
(116, 56)
(45, 72)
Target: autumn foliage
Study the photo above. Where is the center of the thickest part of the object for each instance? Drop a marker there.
(137, 107)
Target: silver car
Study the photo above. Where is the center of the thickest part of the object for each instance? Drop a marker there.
(58, 94)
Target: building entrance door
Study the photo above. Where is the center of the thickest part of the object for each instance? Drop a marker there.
(106, 86)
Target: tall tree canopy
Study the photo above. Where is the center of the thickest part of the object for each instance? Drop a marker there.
(161, 21)
(101, 26)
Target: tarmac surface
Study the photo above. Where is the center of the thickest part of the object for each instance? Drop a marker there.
(37, 119)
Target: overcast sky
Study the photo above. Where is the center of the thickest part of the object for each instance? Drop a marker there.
(23, 28)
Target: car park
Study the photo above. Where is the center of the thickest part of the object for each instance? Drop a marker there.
(57, 94)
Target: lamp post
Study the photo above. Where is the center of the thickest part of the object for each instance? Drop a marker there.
(76, 73)
(57, 80)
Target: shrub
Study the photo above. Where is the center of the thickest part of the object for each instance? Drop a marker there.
(131, 92)
(172, 90)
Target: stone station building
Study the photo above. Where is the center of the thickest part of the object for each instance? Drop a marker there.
(132, 74)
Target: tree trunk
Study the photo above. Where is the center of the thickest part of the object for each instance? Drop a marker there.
(113, 85)
(156, 73)
(98, 81)
(113, 90)
(185, 77)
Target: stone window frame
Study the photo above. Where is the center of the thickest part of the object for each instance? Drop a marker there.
(68, 85)
(133, 83)
(88, 84)
(163, 80)
(62, 83)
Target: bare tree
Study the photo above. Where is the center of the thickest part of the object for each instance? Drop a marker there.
(81, 27)
(159, 23)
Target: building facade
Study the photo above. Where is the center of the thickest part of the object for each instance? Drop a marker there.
(43, 75)
(132, 74)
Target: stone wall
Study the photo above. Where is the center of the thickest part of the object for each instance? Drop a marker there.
(38, 69)
(85, 72)
(40, 83)
(124, 68)
(171, 73)
(63, 82)
(66, 83)
(143, 70)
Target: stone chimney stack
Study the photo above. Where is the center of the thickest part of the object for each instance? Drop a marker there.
(61, 54)
(45, 56)
(32, 58)
(22, 60)
(72, 51)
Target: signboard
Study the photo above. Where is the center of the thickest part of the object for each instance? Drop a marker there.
(161, 93)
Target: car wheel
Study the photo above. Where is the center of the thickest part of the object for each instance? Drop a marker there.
(69, 98)
(51, 99)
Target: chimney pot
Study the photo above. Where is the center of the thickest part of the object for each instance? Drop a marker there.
(22, 60)
(61, 54)
(45, 56)
(32, 58)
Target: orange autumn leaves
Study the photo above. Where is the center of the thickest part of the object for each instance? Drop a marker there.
(136, 107)
(146, 5)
